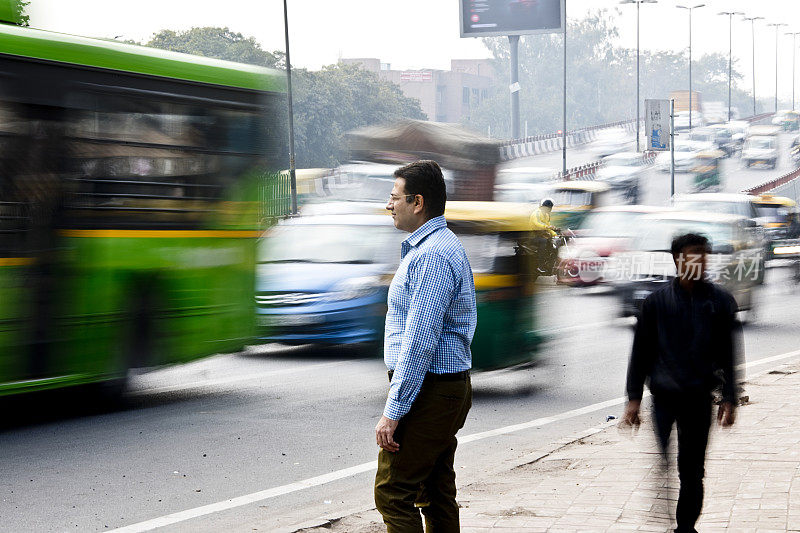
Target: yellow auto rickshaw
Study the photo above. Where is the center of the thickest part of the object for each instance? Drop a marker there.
(492, 232)
(573, 200)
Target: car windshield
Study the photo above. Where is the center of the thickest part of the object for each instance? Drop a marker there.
(728, 208)
(772, 212)
(610, 224)
(572, 198)
(330, 243)
(760, 144)
(658, 234)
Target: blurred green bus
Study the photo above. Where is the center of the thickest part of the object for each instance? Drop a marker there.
(133, 185)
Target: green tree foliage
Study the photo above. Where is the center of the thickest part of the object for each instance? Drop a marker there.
(327, 103)
(339, 98)
(219, 43)
(601, 79)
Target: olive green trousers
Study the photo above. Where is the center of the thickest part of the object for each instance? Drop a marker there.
(420, 476)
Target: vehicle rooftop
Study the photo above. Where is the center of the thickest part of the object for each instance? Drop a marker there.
(579, 185)
(694, 216)
(633, 209)
(715, 197)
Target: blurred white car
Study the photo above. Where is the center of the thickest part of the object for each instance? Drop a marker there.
(622, 171)
(685, 157)
(611, 141)
(682, 120)
(760, 150)
(522, 192)
(525, 175)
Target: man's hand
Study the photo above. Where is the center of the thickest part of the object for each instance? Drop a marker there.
(726, 415)
(384, 434)
(631, 415)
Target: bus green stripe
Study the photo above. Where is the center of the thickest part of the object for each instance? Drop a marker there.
(71, 49)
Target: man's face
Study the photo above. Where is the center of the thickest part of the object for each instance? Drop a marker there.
(691, 263)
(407, 210)
(546, 209)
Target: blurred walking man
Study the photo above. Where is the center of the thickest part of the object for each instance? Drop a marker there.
(429, 327)
(685, 345)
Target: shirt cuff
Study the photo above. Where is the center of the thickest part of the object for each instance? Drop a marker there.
(394, 410)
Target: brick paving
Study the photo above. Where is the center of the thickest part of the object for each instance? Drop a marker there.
(615, 480)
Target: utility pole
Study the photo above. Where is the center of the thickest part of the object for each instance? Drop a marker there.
(690, 9)
(292, 175)
(794, 63)
(638, 113)
(777, 28)
(513, 41)
(730, 15)
(753, 27)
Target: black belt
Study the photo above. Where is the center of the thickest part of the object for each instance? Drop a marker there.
(452, 376)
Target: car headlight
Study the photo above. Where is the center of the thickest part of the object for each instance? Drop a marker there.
(351, 289)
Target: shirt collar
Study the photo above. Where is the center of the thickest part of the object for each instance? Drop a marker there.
(426, 229)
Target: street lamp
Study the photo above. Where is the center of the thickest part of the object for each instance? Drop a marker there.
(777, 27)
(690, 9)
(753, 27)
(794, 55)
(637, 2)
(730, 53)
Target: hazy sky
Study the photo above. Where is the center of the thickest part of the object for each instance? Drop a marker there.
(424, 33)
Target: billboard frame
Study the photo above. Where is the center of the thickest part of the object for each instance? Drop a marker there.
(563, 8)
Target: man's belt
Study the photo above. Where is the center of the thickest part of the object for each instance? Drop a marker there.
(452, 376)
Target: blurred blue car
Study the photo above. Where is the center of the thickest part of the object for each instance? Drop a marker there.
(323, 279)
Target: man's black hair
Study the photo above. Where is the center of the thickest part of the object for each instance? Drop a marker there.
(688, 239)
(424, 177)
(547, 203)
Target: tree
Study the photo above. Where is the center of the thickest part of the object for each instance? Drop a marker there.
(339, 98)
(219, 43)
(327, 103)
(13, 12)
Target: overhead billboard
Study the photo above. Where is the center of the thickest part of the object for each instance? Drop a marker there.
(486, 18)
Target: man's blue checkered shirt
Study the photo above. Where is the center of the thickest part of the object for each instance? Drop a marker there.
(431, 317)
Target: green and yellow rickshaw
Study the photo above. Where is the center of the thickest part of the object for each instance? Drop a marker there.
(706, 169)
(491, 232)
(573, 200)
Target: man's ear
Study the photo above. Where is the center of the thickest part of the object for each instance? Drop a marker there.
(419, 204)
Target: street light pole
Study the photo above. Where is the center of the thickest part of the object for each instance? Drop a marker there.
(690, 9)
(753, 27)
(794, 63)
(292, 174)
(777, 27)
(730, 53)
(638, 113)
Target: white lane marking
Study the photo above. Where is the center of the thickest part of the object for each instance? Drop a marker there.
(232, 379)
(182, 516)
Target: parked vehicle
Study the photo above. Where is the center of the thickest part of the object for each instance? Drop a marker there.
(736, 260)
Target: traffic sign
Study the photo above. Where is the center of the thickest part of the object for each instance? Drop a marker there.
(656, 124)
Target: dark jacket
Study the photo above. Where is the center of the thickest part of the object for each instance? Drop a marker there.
(686, 342)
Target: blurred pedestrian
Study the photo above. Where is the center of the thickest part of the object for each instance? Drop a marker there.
(430, 322)
(685, 347)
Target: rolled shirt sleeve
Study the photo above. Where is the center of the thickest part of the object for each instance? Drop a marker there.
(433, 285)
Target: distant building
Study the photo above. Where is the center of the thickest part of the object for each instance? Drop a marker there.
(444, 95)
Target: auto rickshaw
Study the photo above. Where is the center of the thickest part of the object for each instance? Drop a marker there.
(573, 200)
(790, 121)
(780, 218)
(492, 233)
(706, 169)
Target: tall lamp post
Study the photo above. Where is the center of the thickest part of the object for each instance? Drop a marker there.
(638, 114)
(753, 27)
(777, 26)
(794, 56)
(292, 174)
(690, 9)
(730, 15)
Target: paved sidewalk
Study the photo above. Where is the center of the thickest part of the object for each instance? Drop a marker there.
(614, 480)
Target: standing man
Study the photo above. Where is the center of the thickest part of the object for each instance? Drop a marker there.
(685, 345)
(429, 327)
